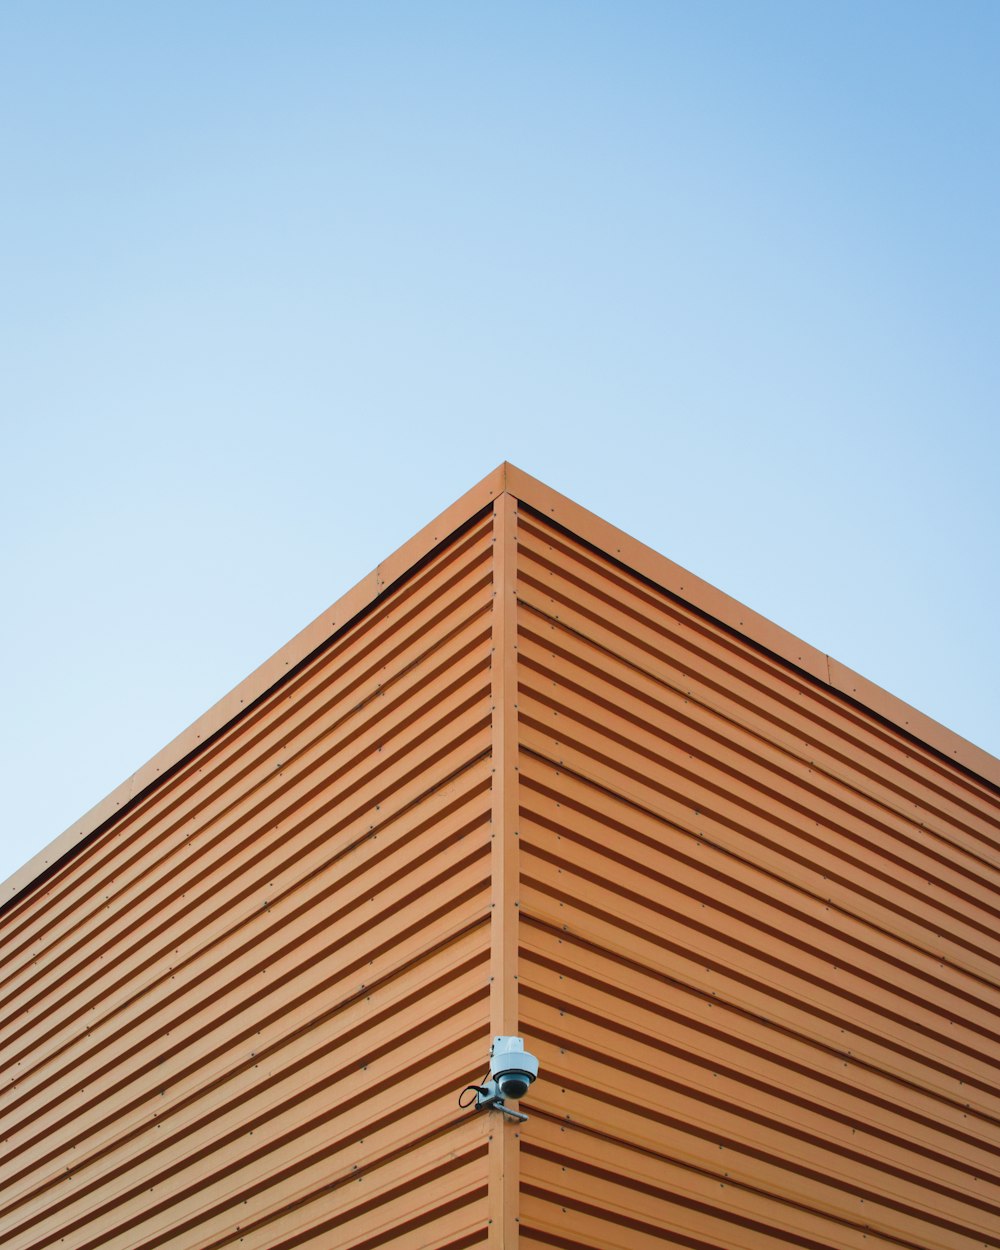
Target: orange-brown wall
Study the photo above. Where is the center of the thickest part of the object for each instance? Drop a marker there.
(208, 1013)
(759, 941)
(521, 780)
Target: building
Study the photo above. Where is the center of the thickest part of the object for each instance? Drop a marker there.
(528, 778)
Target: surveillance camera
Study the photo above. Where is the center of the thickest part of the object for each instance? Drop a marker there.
(512, 1067)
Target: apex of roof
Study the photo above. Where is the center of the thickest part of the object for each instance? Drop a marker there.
(530, 493)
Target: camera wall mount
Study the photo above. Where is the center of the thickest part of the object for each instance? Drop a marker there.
(512, 1071)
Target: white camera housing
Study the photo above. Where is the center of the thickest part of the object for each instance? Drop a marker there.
(512, 1067)
(512, 1070)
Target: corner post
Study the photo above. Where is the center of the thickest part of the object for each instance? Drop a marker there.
(504, 1180)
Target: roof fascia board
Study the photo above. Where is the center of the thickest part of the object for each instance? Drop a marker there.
(757, 629)
(597, 533)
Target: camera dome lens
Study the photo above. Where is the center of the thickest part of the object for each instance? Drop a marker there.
(514, 1084)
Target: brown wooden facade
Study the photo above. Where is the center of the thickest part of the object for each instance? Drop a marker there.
(528, 778)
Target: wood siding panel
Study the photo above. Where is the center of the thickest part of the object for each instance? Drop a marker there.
(751, 930)
(209, 1015)
(758, 941)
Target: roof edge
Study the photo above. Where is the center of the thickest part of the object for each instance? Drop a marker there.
(348, 607)
(714, 603)
(596, 532)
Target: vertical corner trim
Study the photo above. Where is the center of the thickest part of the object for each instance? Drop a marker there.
(504, 1179)
(503, 679)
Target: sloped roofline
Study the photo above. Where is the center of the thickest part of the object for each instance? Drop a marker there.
(597, 533)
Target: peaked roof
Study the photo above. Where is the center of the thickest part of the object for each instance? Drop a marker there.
(612, 542)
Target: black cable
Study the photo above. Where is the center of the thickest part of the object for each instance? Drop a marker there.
(475, 1089)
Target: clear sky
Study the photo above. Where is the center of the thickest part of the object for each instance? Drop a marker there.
(279, 281)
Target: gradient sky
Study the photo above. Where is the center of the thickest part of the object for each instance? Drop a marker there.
(280, 281)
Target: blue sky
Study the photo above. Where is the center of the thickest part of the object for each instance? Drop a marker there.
(278, 282)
